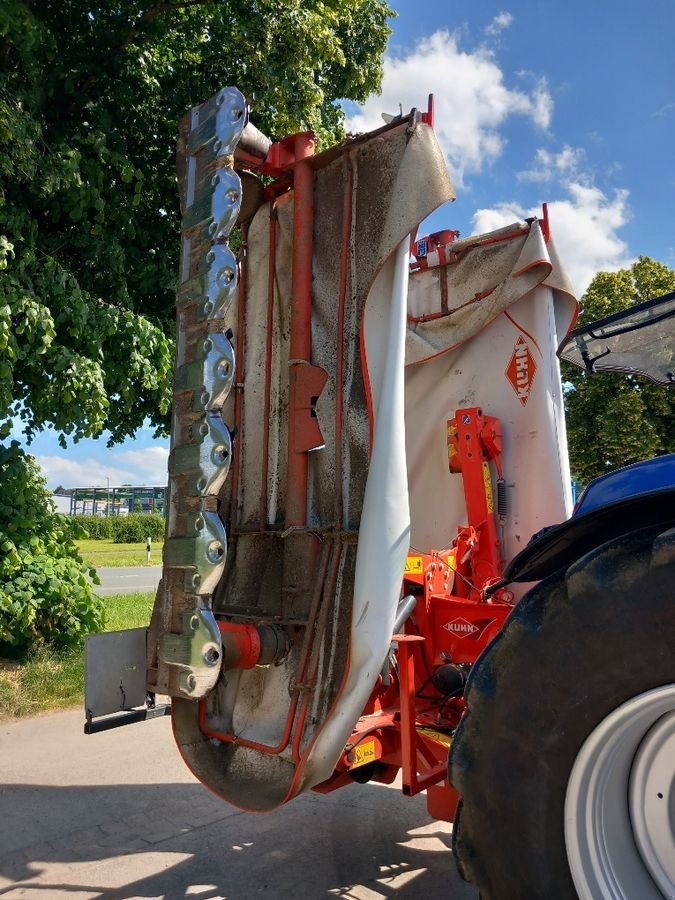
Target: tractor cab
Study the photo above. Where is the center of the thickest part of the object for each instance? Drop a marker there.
(637, 341)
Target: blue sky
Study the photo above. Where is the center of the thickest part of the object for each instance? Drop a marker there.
(571, 103)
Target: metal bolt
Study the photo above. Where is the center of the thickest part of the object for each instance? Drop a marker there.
(211, 656)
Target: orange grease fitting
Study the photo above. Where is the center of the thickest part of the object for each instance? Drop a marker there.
(241, 645)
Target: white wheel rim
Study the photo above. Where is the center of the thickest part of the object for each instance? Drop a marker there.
(651, 801)
(619, 834)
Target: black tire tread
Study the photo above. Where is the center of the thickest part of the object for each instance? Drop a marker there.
(576, 646)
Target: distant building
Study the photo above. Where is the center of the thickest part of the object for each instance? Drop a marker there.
(113, 501)
(61, 503)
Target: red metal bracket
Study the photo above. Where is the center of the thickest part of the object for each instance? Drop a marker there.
(410, 744)
(442, 800)
(545, 224)
(429, 115)
(306, 382)
(283, 155)
(433, 243)
(473, 441)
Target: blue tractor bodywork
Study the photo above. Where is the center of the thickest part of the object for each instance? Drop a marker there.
(626, 500)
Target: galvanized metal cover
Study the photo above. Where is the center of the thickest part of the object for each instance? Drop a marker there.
(115, 665)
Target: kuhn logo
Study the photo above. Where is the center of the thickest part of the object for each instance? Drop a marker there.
(461, 628)
(521, 369)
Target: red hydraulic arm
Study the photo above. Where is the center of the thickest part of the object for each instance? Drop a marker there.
(475, 440)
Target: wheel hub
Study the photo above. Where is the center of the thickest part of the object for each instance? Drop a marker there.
(620, 803)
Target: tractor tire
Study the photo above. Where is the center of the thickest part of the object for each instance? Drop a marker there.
(561, 731)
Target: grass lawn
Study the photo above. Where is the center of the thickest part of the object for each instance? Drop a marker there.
(49, 680)
(106, 553)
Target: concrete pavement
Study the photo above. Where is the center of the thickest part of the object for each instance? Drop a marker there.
(117, 815)
(128, 580)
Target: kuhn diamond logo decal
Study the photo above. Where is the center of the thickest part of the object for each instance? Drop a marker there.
(520, 370)
(462, 628)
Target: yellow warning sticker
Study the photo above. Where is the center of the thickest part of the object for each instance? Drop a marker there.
(364, 753)
(450, 575)
(444, 739)
(414, 565)
(487, 480)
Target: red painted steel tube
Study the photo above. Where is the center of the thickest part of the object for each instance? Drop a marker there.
(408, 725)
(242, 642)
(301, 320)
(485, 562)
(443, 276)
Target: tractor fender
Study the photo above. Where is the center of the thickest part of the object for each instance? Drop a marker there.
(615, 504)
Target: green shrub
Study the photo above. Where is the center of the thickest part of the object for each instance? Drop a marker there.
(45, 595)
(122, 529)
(137, 527)
(98, 528)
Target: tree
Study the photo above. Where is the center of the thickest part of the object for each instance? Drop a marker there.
(613, 419)
(90, 98)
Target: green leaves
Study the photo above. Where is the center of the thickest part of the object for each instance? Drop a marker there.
(612, 419)
(44, 592)
(64, 361)
(90, 99)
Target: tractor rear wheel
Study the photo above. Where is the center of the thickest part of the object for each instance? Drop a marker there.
(565, 758)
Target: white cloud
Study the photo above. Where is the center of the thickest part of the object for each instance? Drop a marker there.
(485, 220)
(549, 165)
(472, 100)
(664, 111)
(500, 22)
(542, 109)
(584, 226)
(147, 466)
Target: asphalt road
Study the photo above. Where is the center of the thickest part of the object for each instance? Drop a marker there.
(117, 815)
(128, 579)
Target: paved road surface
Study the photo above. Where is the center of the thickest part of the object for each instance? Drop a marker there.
(128, 579)
(117, 815)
